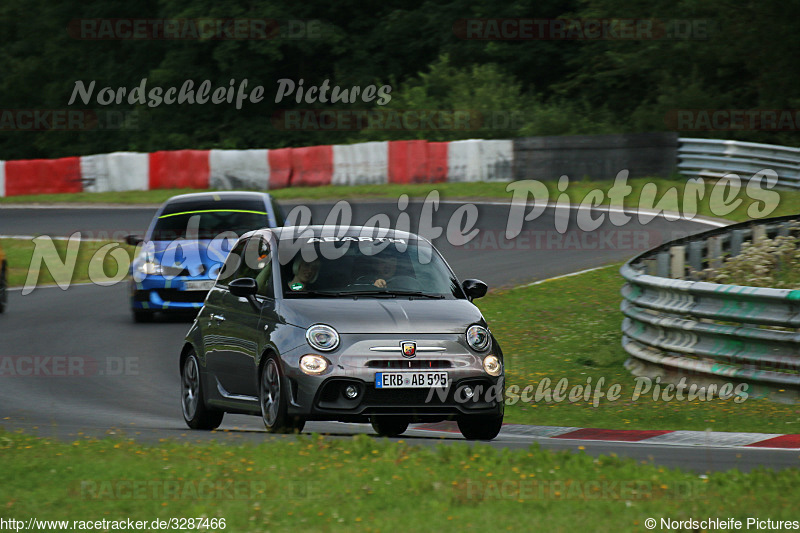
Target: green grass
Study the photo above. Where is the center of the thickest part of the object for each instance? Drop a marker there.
(570, 328)
(20, 252)
(642, 190)
(320, 484)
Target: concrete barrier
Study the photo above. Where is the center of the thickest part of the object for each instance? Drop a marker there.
(239, 169)
(118, 171)
(179, 169)
(43, 176)
(280, 168)
(312, 166)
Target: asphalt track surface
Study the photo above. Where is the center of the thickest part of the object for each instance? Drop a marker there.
(128, 381)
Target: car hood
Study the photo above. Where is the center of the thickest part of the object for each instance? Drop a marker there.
(383, 315)
(191, 255)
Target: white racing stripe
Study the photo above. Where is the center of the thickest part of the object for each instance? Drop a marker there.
(612, 209)
(706, 439)
(578, 273)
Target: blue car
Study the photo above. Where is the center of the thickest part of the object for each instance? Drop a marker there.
(186, 244)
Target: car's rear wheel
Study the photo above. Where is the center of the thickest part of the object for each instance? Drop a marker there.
(273, 400)
(141, 316)
(3, 288)
(389, 425)
(480, 427)
(195, 412)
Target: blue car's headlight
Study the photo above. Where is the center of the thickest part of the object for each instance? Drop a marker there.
(149, 267)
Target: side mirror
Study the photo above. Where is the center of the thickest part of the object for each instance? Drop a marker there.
(474, 288)
(133, 240)
(244, 287)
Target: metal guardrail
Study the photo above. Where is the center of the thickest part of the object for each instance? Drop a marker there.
(677, 325)
(715, 158)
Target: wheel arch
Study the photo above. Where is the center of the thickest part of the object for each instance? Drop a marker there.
(269, 351)
(187, 347)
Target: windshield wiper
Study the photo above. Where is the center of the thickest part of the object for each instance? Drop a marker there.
(417, 294)
(382, 293)
(375, 292)
(391, 293)
(313, 293)
(337, 294)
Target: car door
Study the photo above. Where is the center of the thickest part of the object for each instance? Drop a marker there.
(213, 321)
(242, 321)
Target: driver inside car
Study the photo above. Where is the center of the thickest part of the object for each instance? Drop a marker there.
(385, 269)
(305, 273)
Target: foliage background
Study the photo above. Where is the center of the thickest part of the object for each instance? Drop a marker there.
(559, 86)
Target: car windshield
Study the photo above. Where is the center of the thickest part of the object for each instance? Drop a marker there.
(375, 268)
(202, 224)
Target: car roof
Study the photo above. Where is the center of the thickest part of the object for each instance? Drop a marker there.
(216, 200)
(294, 232)
(221, 194)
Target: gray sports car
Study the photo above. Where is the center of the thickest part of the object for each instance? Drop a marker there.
(349, 324)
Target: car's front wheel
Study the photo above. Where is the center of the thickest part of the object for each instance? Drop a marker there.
(389, 425)
(195, 412)
(273, 400)
(480, 427)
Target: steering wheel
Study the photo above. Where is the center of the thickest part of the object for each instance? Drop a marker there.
(404, 282)
(363, 280)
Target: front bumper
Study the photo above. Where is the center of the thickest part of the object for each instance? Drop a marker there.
(156, 293)
(323, 398)
(422, 403)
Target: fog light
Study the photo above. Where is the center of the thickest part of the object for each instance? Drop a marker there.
(351, 391)
(313, 364)
(492, 365)
(468, 392)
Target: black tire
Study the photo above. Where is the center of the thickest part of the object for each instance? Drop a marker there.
(195, 412)
(389, 425)
(273, 400)
(3, 288)
(480, 427)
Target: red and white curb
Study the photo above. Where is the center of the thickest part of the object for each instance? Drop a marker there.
(659, 437)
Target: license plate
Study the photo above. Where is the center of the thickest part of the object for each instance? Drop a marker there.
(205, 285)
(410, 380)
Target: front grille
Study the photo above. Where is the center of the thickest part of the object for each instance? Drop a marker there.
(141, 296)
(174, 272)
(174, 295)
(416, 364)
(404, 397)
(371, 400)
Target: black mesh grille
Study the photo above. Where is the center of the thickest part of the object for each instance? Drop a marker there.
(174, 295)
(415, 397)
(416, 364)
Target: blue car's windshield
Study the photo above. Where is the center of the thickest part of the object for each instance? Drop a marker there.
(368, 267)
(207, 224)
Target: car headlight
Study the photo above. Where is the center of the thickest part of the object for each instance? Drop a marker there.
(492, 366)
(150, 267)
(313, 364)
(322, 337)
(478, 338)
